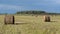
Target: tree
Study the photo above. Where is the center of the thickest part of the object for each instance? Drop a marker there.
(30, 12)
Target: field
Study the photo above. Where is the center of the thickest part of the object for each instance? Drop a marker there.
(31, 25)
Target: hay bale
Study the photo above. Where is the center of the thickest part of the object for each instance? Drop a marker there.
(9, 19)
(47, 18)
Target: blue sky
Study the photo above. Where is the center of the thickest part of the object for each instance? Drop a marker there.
(12, 6)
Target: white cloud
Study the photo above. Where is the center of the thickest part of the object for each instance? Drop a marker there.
(57, 1)
(47, 2)
(54, 1)
(10, 7)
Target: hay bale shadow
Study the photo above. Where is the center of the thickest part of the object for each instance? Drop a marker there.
(53, 21)
(8, 24)
(20, 23)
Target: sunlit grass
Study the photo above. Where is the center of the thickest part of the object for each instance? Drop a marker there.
(31, 25)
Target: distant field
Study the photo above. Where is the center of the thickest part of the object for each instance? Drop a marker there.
(31, 25)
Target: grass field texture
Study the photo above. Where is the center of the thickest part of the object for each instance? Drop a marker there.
(31, 25)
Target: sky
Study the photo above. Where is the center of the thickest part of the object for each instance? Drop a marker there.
(12, 6)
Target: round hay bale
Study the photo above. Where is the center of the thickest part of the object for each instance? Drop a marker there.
(9, 19)
(47, 18)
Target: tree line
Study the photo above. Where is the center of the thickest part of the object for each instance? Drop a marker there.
(36, 12)
(33, 12)
(30, 12)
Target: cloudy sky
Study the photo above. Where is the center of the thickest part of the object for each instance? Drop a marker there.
(12, 6)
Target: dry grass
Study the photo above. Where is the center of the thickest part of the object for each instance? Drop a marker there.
(31, 25)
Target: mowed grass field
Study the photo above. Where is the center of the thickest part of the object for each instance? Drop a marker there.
(31, 25)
